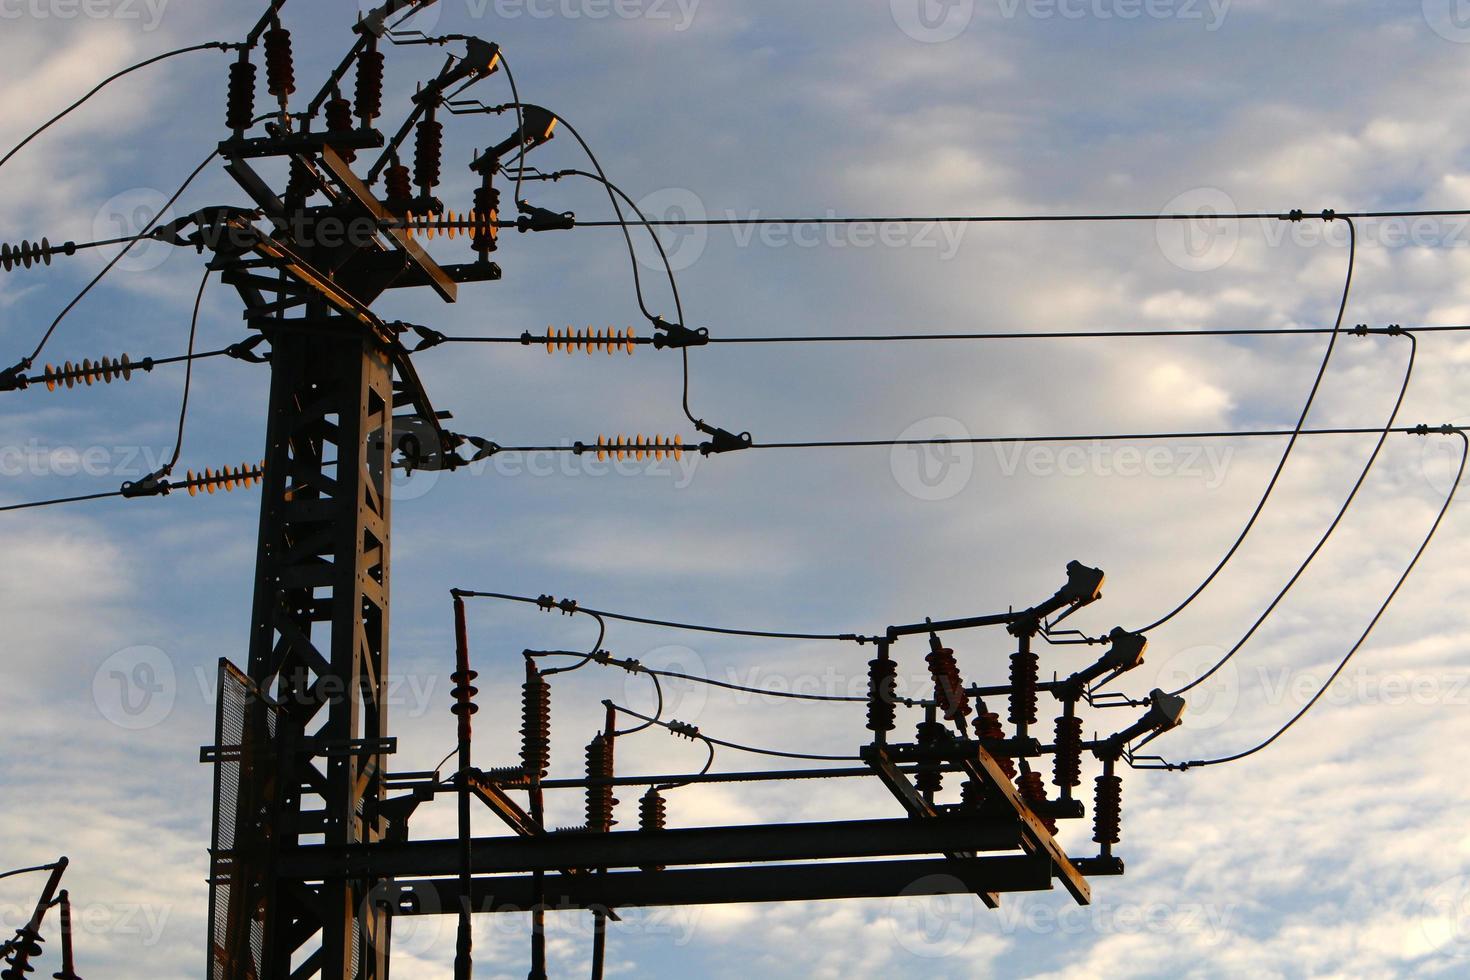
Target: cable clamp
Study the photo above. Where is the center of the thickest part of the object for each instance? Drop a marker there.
(540, 219)
(722, 441)
(14, 378)
(152, 485)
(1295, 214)
(1422, 429)
(245, 350)
(676, 335)
(685, 729)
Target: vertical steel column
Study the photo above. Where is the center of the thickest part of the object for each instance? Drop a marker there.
(319, 640)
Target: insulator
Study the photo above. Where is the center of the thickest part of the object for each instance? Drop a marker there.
(225, 479)
(91, 372)
(428, 154)
(590, 340)
(506, 776)
(399, 183)
(1033, 791)
(600, 800)
(300, 185)
(339, 120)
(280, 72)
(972, 794)
(487, 203)
(653, 813)
(1067, 765)
(240, 112)
(639, 448)
(929, 779)
(464, 692)
(1107, 813)
(949, 688)
(882, 677)
(1025, 667)
(535, 724)
(27, 254)
(450, 224)
(370, 84)
(988, 727)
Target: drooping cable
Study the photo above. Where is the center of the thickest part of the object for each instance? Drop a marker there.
(188, 376)
(690, 731)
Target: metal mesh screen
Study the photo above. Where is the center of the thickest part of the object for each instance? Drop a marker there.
(245, 726)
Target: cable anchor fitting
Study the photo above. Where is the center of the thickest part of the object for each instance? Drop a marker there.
(722, 441)
(676, 336)
(541, 219)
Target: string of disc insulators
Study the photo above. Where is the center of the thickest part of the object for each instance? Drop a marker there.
(89, 372)
(591, 340)
(451, 224)
(225, 479)
(639, 448)
(27, 254)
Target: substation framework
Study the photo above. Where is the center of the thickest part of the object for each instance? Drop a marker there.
(311, 855)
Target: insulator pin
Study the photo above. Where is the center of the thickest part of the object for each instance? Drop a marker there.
(428, 155)
(929, 779)
(280, 71)
(487, 232)
(240, 112)
(1067, 763)
(1107, 814)
(1025, 668)
(653, 813)
(370, 84)
(988, 728)
(27, 253)
(339, 121)
(535, 724)
(600, 800)
(1033, 791)
(949, 688)
(399, 183)
(882, 679)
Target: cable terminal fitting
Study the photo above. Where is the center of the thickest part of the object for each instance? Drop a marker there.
(540, 219)
(547, 603)
(722, 441)
(14, 378)
(685, 729)
(1447, 429)
(245, 350)
(676, 335)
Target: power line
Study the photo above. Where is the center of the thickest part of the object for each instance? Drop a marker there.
(692, 731)
(1037, 218)
(1322, 542)
(1301, 421)
(1434, 528)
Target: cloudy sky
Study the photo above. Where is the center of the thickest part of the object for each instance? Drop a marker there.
(1340, 852)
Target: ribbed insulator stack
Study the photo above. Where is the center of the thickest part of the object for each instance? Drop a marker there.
(988, 728)
(369, 84)
(28, 253)
(300, 185)
(1067, 764)
(639, 448)
(339, 120)
(1107, 813)
(882, 681)
(428, 155)
(240, 112)
(399, 183)
(25, 946)
(949, 688)
(1025, 668)
(487, 202)
(600, 801)
(464, 692)
(972, 795)
(929, 779)
(653, 812)
(450, 224)
(591, 340)
(535, 724)
(91, 372)
(1033, 791)
(280, 68)
(224, 480)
